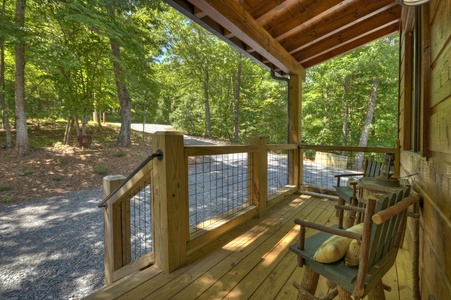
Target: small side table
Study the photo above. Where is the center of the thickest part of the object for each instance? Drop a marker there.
(369, 186)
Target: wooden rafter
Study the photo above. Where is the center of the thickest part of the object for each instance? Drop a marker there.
(330, 25)
(309, 13)
(230, 15)
(347, 35)
(291, 35)
(356, 43)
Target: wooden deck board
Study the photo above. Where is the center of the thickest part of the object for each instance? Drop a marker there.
(259, 235)
(404, 274)
(274, 282)
(260, 258)
(255, 265)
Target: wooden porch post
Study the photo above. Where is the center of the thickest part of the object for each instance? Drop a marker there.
(112, 215)
(170, 202)
(259, 171)
(296, 165)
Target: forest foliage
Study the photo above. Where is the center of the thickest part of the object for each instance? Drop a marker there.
(177, 73)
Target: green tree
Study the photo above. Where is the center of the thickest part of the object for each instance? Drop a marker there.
(342, 92)
(22, 143)
(209, 88)
(5, 23)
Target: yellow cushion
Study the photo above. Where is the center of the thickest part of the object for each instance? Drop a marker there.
(335, 247)
(353, 254)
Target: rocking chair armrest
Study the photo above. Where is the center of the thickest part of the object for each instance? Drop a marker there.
(394, 210)
(331, 230)
(338, 176)
(348, 175)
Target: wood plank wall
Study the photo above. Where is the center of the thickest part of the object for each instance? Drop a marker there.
(433, 164)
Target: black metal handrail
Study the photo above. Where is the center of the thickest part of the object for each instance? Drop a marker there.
(158, 154)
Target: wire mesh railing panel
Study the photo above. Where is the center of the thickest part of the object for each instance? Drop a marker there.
(321, 166)
(277, 171)
(141, 222)
(218, 187)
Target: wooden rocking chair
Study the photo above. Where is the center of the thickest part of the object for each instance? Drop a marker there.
(383, 231)
(349, 194)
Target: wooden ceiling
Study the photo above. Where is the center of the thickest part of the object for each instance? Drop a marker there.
(289, 36)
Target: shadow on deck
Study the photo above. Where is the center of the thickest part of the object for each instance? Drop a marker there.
(255, 265)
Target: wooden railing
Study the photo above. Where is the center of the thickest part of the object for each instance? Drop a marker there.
(283, 179)
(177, 239)
(199, 193)
(322, 162)
(119, 194)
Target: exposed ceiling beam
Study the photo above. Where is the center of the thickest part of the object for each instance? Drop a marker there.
(265, 6)
(231, 15)
(312, 10)
(330, 25)
(366, 27)
(273, 11)
(198, 13)
(363, 40)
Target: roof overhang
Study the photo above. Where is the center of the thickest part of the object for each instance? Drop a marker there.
(292, 35)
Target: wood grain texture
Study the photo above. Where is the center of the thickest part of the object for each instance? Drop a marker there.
(170, 202)
(440, 26)
(295, 162)
(440, 136)
(112, 229)
(255, 264)
(441, 76)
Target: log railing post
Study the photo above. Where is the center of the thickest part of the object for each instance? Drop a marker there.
(258, 169)
(170, 202)
(112, 217)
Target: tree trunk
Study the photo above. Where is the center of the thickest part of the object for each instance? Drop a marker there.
(67, 133)
(6, 125)
(345, 114)
(366, 126)
(237, 98)
(77, 126)
(207, 103)
(123, 140)
(22, 145)
(84, 123)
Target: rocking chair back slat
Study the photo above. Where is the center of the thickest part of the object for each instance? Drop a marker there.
(384, 236)
(380, 233)
(395, 225)
(373, 168)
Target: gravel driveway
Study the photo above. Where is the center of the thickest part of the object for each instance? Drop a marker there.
(52, 248)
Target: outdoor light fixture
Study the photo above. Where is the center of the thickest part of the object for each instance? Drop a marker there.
(411, 2)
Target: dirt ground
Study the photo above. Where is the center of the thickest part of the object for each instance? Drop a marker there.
(57, 169)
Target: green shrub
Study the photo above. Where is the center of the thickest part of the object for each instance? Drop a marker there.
(6, 198)
(120, 153)
(57, 178)
(62, 159)
(26, 173)
(100, 168)
(5, 188)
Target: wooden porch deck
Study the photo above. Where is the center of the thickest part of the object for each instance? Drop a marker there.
(255, 265)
